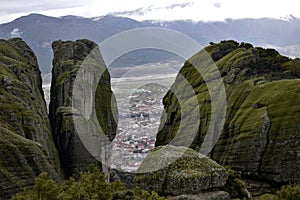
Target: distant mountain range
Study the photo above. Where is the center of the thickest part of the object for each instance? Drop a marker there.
(39, 31)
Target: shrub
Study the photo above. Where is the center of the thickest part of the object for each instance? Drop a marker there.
(235, 186)
(289, 192)
(91, 185)
(267, 197)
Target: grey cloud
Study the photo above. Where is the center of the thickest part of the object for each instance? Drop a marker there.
(180, 5)
(217, 5)
(136, 12)
(142, 11)
(21, 6)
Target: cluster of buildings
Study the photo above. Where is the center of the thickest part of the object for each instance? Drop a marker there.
(139, 119)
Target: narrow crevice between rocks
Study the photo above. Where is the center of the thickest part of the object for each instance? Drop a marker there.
(265, 131)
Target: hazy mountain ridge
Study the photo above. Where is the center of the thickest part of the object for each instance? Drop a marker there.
(39, 31)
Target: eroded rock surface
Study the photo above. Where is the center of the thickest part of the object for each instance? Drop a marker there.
(261, 133)
(26, 144)
(77, 108)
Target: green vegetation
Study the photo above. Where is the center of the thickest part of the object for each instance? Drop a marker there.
(105, 106)
(63, 77)
(267, 197)
(235, 186)
(271, 64)
(91, 185)
(287, 192)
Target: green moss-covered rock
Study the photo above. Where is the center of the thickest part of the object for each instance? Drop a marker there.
(69, 57)
(261, 132)
(235, 186)
(171, 170)
(26, 144)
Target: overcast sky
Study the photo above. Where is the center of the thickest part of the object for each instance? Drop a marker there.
(205, 10)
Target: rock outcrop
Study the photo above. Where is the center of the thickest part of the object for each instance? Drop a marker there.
(261, 132)
(214, 195)
(26, 145)
(174, 171)
(74, 105)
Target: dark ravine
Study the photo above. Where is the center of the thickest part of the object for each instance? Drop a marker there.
(258, 82)
(68, 57)
(26, 144)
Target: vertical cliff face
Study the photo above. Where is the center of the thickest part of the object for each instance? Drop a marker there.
(26, 145)
(261, 133)
(65, 119)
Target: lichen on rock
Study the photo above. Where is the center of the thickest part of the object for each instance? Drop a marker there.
(171, 170)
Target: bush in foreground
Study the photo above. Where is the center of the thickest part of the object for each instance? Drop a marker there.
(235, 186)
(89, 186)
(288, 192)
